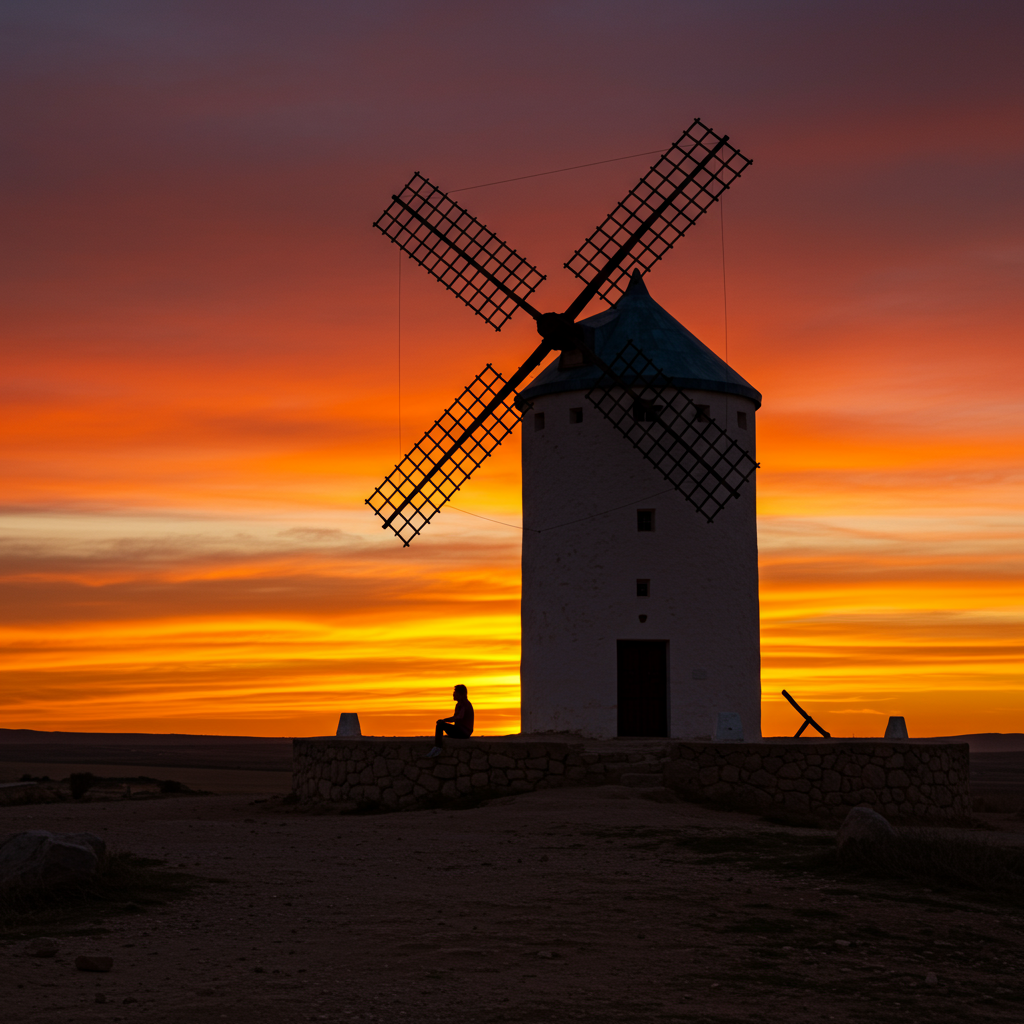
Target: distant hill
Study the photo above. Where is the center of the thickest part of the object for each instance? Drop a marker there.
(983, 742)
(249, 753)
(162, 738)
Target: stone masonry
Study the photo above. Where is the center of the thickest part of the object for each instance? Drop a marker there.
(899, 780)
(396, 774)
(903, 781)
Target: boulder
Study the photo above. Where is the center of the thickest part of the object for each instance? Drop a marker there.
(43, 858)
(865, 827)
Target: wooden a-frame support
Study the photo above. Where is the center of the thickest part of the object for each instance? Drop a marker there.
(807, 718)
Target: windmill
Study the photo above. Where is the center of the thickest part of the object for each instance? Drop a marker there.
(680, 442)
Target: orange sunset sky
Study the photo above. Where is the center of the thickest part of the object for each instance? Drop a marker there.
(200, 343)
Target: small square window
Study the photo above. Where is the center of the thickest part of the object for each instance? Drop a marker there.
(538, 421)
(643, 588)
(703, 413)
(575, 415)
(571, 358)
(645, 520)
(645, 411)
(741, 420)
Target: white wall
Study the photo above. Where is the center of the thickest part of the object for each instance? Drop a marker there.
(579, 580)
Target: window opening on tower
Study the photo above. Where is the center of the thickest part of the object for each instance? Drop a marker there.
(643, 588)
(575, 415)
(741, 420)
(538, 421)
(645, 520)
(645, 411)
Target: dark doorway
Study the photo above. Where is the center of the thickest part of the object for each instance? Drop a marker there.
(643, 687)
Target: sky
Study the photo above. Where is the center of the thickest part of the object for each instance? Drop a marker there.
(211, 358)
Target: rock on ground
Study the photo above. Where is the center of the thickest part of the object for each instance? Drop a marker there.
(45, 858)
(863, 825)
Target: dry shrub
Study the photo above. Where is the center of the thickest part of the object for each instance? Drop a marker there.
(81, 783)
(938, 860)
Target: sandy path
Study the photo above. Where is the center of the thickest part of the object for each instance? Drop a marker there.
(556, 906)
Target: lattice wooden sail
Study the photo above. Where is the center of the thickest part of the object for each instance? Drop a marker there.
(492, 279)
(446, 456)
(690, 450)
(465, 256)
(658, 190)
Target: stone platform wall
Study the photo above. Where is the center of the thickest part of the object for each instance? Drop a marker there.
(900, 780)
(821, 778)
(397, 774)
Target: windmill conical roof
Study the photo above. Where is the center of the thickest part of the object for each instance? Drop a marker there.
(682, 357)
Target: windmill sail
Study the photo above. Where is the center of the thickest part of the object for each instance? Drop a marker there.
(690, 450)
(667, 201)
(465, 434)
(699, 459)
(465, 256)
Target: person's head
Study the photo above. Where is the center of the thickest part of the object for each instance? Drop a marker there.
(460, 692)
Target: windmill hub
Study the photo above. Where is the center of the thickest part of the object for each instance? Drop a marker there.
(607, 524)
(560, 332)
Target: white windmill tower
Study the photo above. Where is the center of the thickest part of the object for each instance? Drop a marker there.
(640, 606)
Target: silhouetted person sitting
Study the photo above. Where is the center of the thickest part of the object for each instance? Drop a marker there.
(459, 726)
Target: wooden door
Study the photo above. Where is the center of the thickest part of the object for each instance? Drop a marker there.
(643, 687)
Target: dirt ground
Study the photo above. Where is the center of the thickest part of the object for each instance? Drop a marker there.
(576, 904)
(222, 781)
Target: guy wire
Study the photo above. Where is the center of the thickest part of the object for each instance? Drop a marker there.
(725, 297)
(558, 170)
(400, 451)
(572, 522)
